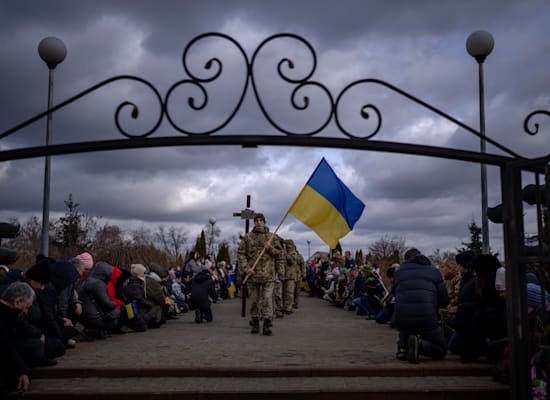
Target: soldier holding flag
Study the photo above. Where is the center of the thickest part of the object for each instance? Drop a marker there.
(258, 254)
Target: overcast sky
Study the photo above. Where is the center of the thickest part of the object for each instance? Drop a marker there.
(418, 46)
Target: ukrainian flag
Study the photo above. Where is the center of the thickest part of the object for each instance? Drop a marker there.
(230, 286)
(327, 206)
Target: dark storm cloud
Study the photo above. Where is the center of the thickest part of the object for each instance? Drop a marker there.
(418, 46)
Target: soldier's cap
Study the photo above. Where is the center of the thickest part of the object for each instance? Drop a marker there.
(259, 216)
(289, 241)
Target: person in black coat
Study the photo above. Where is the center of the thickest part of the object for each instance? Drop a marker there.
(14, 372)
(419, 293)
(203, 292)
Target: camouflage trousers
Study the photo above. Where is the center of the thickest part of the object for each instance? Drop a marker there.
(278, 297)
(297, 290)
(261, 299)
(288, 294)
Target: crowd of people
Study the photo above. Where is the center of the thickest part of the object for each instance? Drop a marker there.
(458, 306)
(49, 307)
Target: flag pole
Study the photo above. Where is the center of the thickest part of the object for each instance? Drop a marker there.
(276, 229)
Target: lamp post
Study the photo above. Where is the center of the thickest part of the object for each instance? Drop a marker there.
(53, 51)
(479, 45)
(308, 253)
(212, 222)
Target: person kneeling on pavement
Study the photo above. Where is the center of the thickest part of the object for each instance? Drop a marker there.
(203, 292)
(420, 292)
(98, 311)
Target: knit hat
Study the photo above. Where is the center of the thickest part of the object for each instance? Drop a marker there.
(86, 259)
(259, 216)
(39, 272)
(500, 279)
(534, 296)
(138, 270)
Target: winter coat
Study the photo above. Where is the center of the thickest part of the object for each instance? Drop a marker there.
(111, 291)
(96, 304)
(64, 279)
(193, 267)
(155, 295)
(250, 248)
(11, 362)
(419, 293)
(201, 289)
(359, 286)
(135, 291)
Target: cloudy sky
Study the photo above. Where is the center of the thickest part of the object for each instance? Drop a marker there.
(418, 46)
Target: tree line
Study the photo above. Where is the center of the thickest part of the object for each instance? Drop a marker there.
(76, 232)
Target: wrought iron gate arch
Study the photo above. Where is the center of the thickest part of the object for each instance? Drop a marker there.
(511, 165)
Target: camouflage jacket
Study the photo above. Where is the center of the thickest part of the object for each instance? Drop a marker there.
(249, 250)
(291, 270)
(453, 286)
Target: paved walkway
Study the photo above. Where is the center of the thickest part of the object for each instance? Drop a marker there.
(316, 335)
(330, 346)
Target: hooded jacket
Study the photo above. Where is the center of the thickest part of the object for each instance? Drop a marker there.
(94, 297)
(419, 293)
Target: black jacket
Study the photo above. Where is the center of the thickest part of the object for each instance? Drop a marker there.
(201, 289)
(11, 362)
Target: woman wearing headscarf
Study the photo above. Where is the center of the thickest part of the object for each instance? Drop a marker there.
(135, 291)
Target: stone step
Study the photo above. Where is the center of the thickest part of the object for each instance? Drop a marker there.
(404, 370)
(271, 388)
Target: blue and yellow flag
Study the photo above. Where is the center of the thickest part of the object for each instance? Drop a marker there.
(327, 206)
(230, 286)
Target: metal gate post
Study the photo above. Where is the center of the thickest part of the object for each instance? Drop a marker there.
(516, 287)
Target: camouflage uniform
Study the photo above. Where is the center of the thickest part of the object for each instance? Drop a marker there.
(289, 278)
(452, 282)
(300, 273)
(278, 290)
(261, 283)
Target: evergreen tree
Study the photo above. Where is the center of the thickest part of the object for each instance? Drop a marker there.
(73, 229)
(200, 244)
(475, 243)
(223, 253)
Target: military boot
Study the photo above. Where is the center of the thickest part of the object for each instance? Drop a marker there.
(267, 327)
(255, 325)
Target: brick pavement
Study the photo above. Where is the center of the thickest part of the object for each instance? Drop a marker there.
(331, 347)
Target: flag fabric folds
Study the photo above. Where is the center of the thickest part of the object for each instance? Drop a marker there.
(230, 286)
(327, 206)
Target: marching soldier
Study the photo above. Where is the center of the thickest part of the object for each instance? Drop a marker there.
(258, 253)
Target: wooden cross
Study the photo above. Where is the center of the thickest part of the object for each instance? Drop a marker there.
(247, 214)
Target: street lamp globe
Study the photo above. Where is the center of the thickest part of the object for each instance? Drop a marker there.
(479, 45)
(52, 50)
(212, 220)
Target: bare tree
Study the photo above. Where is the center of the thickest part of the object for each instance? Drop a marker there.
(141, 236)
(438, 256)
(109, 245)
(388, 247)
(172, 240)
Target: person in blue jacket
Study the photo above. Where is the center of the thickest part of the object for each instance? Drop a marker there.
(419, 293)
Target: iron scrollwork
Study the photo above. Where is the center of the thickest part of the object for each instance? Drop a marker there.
(526, 123)
(213, 70)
